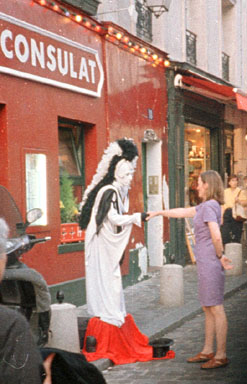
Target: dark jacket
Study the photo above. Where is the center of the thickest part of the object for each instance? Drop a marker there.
(20, 359)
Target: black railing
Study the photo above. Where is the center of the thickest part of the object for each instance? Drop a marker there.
(87, 6)
(144, 22)
(190, 47)
(225, 66)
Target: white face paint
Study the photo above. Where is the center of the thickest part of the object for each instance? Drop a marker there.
(124, 173)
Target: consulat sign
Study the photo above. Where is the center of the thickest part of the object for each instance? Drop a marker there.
(33, 53)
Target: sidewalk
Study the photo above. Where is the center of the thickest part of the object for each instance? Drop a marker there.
(142, 301)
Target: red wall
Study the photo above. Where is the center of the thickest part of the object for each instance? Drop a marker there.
(28, 116)
(134, 86)
(29, 112)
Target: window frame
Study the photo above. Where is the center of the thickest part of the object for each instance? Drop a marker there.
(68, 125)
(36, 228)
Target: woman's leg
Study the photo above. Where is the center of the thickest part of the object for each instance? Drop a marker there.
(207, 351)
(220, 329)
(209, 331)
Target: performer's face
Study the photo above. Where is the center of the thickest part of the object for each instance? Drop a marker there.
(124, 174)
(126, 179)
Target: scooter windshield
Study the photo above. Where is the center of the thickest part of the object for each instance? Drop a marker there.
(11, 213)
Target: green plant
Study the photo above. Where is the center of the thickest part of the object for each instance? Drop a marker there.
(68, 205)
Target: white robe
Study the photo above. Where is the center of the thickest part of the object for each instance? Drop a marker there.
(103, 253)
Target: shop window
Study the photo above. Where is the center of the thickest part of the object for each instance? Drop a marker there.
(89, 6)
(197, 159)
(71, 172)
(191, 47)
(70, 152)
(144, 22)
(36, 184)
(228, 40)
(225, 66)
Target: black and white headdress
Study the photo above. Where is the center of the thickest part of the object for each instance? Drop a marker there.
(116, 151)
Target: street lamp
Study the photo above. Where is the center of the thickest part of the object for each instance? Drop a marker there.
(158, 7)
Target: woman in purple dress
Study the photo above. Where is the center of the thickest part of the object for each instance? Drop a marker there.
(211, 263)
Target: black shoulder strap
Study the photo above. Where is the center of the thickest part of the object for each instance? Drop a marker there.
(104, 207)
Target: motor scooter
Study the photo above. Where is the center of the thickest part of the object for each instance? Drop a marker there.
(22, 288)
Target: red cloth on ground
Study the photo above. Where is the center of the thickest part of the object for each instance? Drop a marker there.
(122, 345)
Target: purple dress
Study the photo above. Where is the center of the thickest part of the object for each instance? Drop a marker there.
(211, 275)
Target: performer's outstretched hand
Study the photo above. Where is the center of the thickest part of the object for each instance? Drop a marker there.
(144, 216)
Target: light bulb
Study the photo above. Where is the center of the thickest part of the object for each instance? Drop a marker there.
(78, 18)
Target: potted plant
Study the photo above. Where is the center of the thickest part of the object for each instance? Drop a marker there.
(68, 204)
(70, 230)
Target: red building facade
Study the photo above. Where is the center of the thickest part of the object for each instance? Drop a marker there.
(67, 89)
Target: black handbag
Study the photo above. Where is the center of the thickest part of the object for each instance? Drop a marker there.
(72, 368)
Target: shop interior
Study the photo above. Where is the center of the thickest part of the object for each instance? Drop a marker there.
(197, 159)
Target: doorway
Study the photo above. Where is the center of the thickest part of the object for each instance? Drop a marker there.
(152, 191)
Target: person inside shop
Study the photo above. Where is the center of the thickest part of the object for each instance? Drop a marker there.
(242, 197)
(231, 229)
(211, 263)
(193, 192)
(242, 200)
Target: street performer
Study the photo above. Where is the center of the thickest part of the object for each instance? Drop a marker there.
(108, 227)
(108, 231)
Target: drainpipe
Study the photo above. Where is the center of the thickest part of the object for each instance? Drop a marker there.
(175, 119)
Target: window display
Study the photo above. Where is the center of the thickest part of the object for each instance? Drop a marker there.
(71, 171)
(197, 159)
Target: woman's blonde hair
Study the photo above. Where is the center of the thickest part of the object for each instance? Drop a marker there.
(215, 186)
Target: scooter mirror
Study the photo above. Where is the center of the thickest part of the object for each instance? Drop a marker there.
(33, 215)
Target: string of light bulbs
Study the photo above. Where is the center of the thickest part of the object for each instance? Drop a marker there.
(111, 34)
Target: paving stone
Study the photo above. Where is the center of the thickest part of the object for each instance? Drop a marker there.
(181, 323)
(189, 340)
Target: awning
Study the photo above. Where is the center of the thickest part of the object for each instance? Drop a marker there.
(241, 101)
(220, 92)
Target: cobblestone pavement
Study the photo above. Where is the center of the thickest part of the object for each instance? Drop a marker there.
(188, 340)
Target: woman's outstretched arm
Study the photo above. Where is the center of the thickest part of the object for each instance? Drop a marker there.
(173, 213)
